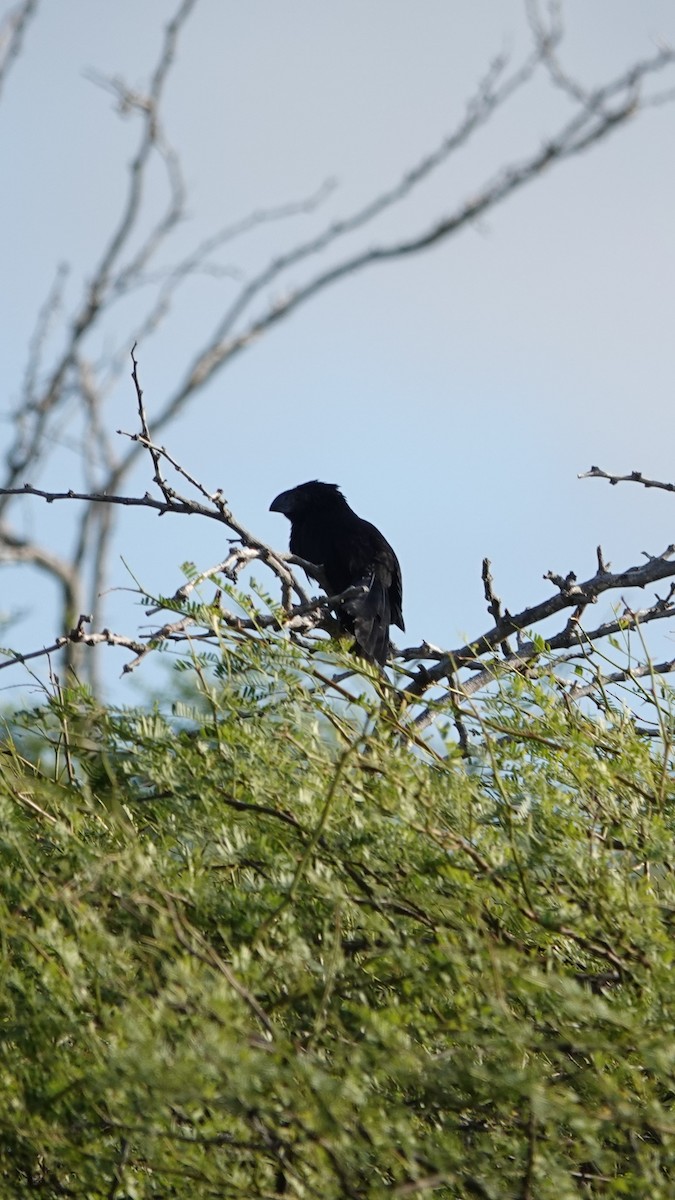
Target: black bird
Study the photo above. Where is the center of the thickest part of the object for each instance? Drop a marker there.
(327, 532)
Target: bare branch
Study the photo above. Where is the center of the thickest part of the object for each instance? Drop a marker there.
(494, 604)
(151, 138)
(585, 129)
(12, 33)
(197, 260)
(570, 594)
(27, 447)
(76, 636)
(181, 506)
(636, 671)
(634, 477)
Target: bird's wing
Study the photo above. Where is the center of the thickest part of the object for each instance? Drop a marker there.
(371, 618)
(371, 550)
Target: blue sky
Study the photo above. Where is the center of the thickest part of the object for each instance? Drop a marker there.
(454, 395)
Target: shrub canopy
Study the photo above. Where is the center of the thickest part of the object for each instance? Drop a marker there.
(270, 944)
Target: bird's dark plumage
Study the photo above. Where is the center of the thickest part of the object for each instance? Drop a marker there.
(327, 532)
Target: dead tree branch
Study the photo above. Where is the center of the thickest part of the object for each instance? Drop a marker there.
(634, 477)
(570, 594)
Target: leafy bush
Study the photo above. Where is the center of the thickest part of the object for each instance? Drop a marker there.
(274, 945)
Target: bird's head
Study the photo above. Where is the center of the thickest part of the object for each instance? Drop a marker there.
(307, 497)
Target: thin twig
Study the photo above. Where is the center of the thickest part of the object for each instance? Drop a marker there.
(12, 33)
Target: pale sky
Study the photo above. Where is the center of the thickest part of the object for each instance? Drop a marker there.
(453, 395)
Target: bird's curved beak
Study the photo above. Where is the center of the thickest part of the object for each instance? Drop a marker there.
(283, 503)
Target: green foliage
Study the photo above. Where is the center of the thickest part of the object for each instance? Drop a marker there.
(273, 945)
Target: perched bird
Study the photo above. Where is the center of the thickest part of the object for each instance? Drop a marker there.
(327, 532)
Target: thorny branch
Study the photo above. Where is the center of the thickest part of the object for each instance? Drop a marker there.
(65, 390)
